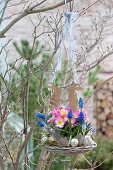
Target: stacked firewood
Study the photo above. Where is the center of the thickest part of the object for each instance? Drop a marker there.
(104, 109)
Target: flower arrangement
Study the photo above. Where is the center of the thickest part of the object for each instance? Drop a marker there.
(66, 128)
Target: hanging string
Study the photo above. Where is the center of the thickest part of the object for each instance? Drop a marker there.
(66, 6)
(68, 27)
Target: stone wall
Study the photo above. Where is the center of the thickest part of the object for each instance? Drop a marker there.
(104, 109)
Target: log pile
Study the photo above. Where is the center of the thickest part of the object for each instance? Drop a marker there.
(104, 109)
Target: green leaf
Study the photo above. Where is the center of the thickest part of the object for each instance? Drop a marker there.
(88, 92)
(92, 76)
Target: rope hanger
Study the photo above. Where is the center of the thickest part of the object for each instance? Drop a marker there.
(68, 27)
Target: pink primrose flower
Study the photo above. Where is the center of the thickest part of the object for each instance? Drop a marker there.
(56, 112)
(67, 109)
(64, 112)
(59, 116)
(59, 122)
(72, 120)
(64, 117)
(76, 114)
(51, 120)
(85, 115)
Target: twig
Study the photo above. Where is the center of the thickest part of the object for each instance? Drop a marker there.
(9, 152)
(27, 12)
(104, 160)
(40, 91)
(51, 160)
(98, 88)
(24, 144)
(88, 7)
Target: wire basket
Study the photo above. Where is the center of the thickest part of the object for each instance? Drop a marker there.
(69, 151)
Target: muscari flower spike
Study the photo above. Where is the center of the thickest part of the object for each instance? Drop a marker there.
(41, 124)
(93, 130)
(70, 114)
(39, 115)
(81, 103)
(88, 126)
(81, 118)
(67, 106)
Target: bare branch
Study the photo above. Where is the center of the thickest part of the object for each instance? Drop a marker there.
(27, 12)
(24, 144)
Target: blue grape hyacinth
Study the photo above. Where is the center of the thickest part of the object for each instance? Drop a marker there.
(70, 114)
(81, 118)
(41, 124)
(39, 115)
(93, 130)
(88, 126)
(81, 103)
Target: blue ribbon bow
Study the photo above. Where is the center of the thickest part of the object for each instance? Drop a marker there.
(68, 27)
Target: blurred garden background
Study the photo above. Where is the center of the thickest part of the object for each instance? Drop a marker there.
(30, 37)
